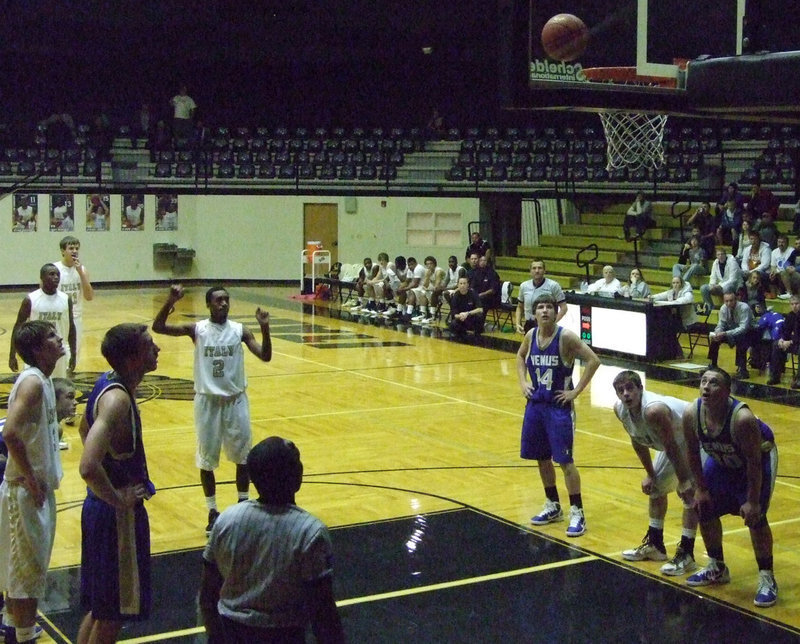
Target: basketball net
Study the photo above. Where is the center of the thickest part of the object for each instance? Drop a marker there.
(633, 139)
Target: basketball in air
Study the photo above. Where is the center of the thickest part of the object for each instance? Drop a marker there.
(564, 37)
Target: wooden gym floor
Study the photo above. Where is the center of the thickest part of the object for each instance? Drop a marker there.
(411, 450)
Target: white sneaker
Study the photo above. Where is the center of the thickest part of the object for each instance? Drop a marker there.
(785, 296)
(418, 318)
(577, 522)
(646, 551)
(680, 564)
(355, 309)
(428, 320)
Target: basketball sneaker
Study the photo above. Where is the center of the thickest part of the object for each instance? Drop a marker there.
(646, 551)
(8, 634)
(212, 519)
(550, 512)
(577, 522)
(715, 572)
(680, 564)
(418, 318)
(356, 308)
(767, 593)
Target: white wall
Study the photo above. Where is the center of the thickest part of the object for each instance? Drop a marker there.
(234, 236)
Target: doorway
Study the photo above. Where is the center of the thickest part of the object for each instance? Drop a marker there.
(321, 223)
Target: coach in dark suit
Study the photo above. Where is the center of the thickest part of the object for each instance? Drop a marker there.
(789, 342)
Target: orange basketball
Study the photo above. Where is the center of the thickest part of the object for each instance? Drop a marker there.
(564, 37)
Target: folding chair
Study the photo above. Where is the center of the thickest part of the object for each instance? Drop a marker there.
(697, 331)
(503, 314)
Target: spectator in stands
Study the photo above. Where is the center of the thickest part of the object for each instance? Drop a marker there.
(753, 292)
(756, 258)
(60, 130)
(184, 108)
(529, 290)
(365, 274)
(435, 126)
(423, 294)
(761, 200)
(639, 216)
(681, 294)
(608, 284)
(731, 193)
(743, 241)
(161, 139)
(729, 223)
(767, 229)
(454, 271)
(467, 313)
(692, 260)
(636, 286)
(143, 125)
(736, 327)
(703, 220)
(486, 283)
(415, 273)
(725, 273)
(788, 342)
(479, 246)
(783, 279)
(682, 297)
(769, 325)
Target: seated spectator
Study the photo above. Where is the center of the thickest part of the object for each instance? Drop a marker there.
(529, 290)
(636, 286)
(363, 276)
(454, 271)
(731, 193)
(703, 221)
(725, 274)
(760, 201)
(788, 342)
(486, 283)
(479, 246)
(423, 294)
(682, 297)
(767, 229)
(769, 325)
(756, 258)
(729, 225)
(415, 273)
(692, 260)
(681, 294)
(743, 241)
(607, 285)
(783, 278)
(736, 327)
(435, 125)
(466, 312)
(753, 292)
(639, 216)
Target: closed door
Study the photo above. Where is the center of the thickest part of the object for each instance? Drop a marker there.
(321, 223)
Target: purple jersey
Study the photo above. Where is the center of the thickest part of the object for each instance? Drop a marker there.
(721, 447)
(547, 369)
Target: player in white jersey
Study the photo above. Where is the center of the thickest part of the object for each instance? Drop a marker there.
(74, 282)
(221, 408)
(375, 287)
(654, 422)
(33, 473)
(423, 294)
(49, 304)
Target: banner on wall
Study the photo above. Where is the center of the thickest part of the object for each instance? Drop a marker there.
(97, 211)
(167, 212)
(62, 212)
(25, 209)
(133, 212)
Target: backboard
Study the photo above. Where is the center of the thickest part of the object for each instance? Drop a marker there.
(646, 42)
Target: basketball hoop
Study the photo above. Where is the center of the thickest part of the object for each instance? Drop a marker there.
(634, 140)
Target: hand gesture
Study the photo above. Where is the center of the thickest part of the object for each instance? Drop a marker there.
(76, 262)
(262, 316)
(175, 292)
(130, 495)
(565, 396)
(751, 513)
